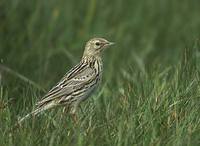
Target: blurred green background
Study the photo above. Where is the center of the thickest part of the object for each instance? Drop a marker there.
(156, 58)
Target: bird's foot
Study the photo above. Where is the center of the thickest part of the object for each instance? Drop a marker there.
(74, 118)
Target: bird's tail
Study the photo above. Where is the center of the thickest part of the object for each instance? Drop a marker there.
(35, 112)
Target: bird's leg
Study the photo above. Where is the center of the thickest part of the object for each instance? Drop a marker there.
(73, 113)
(74, 118)
(64, 111)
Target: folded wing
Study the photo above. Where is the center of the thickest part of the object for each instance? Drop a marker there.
(72, 82)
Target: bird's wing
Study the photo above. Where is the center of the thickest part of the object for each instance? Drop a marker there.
(71, 82)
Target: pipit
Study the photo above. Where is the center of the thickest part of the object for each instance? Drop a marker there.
(78, 83)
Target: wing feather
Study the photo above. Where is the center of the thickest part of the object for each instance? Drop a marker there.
(74, 80)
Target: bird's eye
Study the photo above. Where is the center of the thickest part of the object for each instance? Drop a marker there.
(97, 43)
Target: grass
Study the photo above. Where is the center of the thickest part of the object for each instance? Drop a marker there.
(150, 94)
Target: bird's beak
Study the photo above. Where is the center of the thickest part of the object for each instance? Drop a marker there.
(109, 43)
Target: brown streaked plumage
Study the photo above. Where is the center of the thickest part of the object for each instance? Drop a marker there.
(78, 83)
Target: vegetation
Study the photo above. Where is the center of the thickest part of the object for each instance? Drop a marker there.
(150, 94)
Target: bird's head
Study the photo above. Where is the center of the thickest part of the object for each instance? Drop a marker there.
(95, 46)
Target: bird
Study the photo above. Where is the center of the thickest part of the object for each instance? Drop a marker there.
(78, 83)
